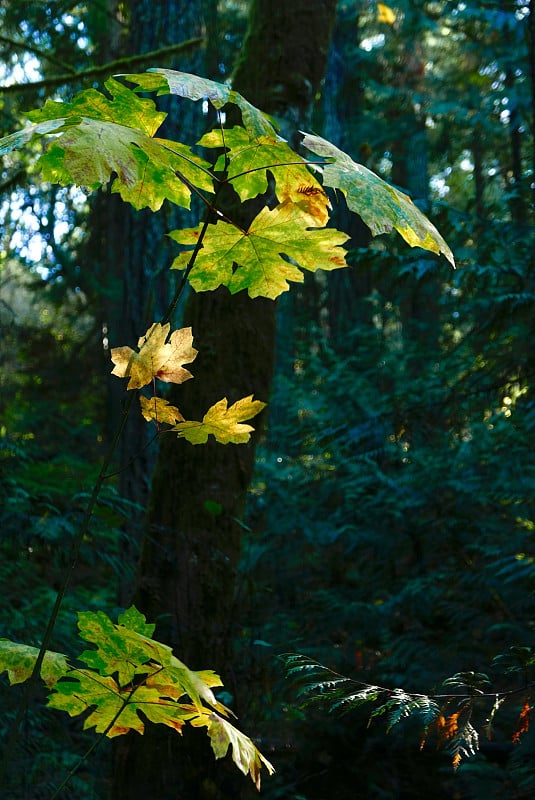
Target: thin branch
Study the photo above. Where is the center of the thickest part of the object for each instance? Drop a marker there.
(25, 46)
(75, 552)
(112, 67)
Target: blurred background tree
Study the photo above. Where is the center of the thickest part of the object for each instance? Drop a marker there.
(389, 526)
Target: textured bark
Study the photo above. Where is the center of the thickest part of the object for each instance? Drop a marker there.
(189, 560)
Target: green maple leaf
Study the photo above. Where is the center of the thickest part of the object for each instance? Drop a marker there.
(225, 424)
(248, 160)
(120, 650)
(160, 356)
(379, 205)
(89, 153)
(126, 651)
(123, 105)
(135, 621)
(115, 709)
(193, 87)
(19, 660)
(261, 254)
(102, 136)
(131, 678)
(244, 753)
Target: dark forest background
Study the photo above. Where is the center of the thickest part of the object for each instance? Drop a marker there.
(383, 521)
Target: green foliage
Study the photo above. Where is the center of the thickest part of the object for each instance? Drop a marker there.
(148, 170)
(98, 138)
(267, 255)
(448, 717)
(130, 677)
(366, 194)
(223, 423)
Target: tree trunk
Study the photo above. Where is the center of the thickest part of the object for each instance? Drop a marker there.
(193, 533)
(130, 253)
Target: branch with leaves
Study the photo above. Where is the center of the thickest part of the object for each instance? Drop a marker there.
(99, 139)
(128, 678)
(447, 717)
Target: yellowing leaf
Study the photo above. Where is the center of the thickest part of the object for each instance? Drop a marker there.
(244, 753)
(19, 660)
(251, 158)
(131, 678)
(115, 708)
(177, 681)
(158, 409)
(379, 205)
(385, 14)
(225, 424)
(122, 104)
(103, 137)
(157, 357)
(268, 255)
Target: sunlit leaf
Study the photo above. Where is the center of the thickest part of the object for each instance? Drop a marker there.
(277, 246)
(18, 139)
(157, 357)
(122, 106)
(114, 709)
(248, 160)
(225, 424)
(160, 410)
(381, 207)
(19, 660)
(244, 753)
(102, 138)
(194, 87)
(385, 14)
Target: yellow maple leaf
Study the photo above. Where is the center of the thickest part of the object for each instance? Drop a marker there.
(385, 14)
(224, 423)
(157, 357)
(160, 410)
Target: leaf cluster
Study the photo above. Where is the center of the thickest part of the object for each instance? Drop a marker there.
(129, 678)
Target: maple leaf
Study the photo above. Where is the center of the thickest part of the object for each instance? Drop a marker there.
(126, 651)
(381, 206)
(131, 678)
(176, 681)
(19, 660)
(120, 650)
(225, 424)
(103, 136)
(249, 160)
(157, 357)
(123, 105)
(262, 253)
(244, 753)
(115, 708)
(194, 87)
(18, 139)
(160, 410)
